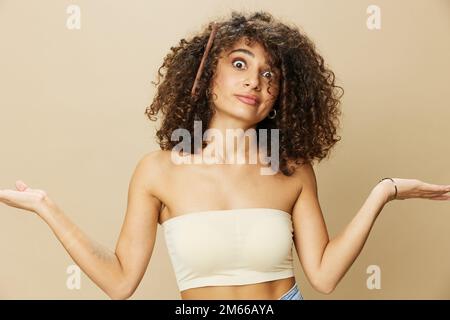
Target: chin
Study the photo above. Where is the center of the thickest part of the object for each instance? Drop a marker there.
(246, 117)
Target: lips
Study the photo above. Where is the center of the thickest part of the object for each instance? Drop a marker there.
(247, 99)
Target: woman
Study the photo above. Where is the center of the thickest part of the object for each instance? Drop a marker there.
(230, 227)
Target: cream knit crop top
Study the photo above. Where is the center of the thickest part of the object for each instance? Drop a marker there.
(230, 247)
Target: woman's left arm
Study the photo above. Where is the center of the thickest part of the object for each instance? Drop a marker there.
(326, 261)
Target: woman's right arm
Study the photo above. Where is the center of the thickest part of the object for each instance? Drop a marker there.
(117, 273)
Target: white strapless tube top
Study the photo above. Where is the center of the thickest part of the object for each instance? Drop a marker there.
(230, 247)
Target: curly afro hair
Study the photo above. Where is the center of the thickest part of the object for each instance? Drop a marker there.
(308, 99)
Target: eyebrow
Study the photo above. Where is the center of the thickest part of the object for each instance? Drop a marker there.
(243, 51)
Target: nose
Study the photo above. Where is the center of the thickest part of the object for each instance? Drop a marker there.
(252, 81)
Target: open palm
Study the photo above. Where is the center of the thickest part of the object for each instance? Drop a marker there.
(23, 197)
(414, 188)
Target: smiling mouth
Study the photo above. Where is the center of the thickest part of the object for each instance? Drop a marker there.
(246, 100)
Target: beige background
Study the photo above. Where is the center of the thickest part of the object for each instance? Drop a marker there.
(72, 123)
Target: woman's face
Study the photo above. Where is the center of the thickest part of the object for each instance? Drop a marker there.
(244, 71)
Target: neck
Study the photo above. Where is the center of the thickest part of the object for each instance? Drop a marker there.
(230, 140)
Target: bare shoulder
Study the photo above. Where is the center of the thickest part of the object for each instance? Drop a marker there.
(153, 168)
(157, 158)
(304, 170)
(304, 174)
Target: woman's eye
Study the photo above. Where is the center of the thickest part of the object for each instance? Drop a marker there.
(239, 63)
(268, 74)
(236, 63)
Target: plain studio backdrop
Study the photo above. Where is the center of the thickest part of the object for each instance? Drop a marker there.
(72, 123)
